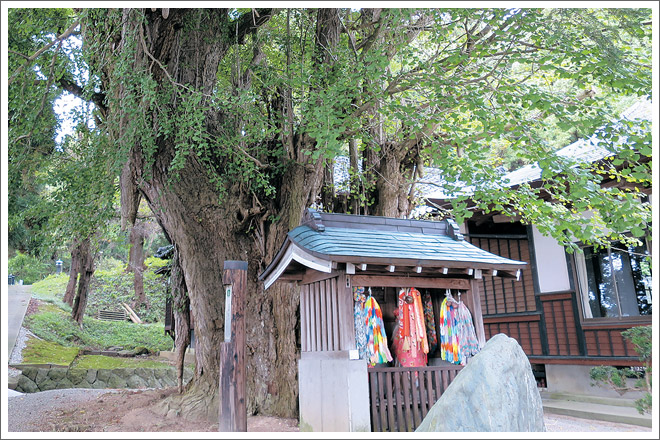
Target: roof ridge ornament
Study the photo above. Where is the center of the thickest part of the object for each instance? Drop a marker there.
(453, 230)
(312, 218)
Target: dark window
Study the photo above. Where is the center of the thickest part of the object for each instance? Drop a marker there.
(616, 282)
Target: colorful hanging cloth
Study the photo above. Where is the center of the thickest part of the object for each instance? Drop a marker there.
(458, 339)
(410, 343)
(360, 319)
(448, 341)
(377, 351)
(467, 334)
(429, 317)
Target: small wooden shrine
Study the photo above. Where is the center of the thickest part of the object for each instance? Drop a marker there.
(400, 266)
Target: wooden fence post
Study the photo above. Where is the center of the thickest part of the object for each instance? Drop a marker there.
(232, 409)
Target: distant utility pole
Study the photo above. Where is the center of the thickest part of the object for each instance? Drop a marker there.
(232, 411)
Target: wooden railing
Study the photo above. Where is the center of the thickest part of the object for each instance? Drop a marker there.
(402, 396)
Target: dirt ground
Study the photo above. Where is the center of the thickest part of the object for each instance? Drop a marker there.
(80, 410)
(131, 411)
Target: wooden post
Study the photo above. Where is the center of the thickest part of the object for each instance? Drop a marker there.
(232, 410)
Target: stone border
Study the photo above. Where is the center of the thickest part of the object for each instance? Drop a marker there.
(34, 379)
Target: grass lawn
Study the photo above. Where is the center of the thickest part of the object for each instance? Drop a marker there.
(50, 288)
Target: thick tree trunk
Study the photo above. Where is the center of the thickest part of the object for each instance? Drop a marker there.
(204, 244)
(208, 231)
(86, 272)
(391, 185)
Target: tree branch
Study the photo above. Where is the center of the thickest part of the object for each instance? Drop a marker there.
(98, 98)
(36, 55)
(248, 23)
(45, 94)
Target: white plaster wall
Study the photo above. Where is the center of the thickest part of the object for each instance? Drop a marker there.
(575, 379)
(550, 263)
(333, 393)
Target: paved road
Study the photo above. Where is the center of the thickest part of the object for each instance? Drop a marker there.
(18, 298)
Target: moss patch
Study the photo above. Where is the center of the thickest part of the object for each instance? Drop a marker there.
(44, 352)
(100, 362)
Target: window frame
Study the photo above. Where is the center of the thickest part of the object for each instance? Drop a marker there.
(580, 275)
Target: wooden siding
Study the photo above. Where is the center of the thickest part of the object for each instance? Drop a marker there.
(400, 397)
(606, 340)
(545, 325)
(326, 315)
(506, 295)
(560, 325)
(523, 328)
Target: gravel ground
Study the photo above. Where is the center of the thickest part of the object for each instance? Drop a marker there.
(23, 410)
(560, 423)
(16, 356)
(21, 339)
(26, 410)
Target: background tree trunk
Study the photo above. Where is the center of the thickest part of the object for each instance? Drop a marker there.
(136, 264)
(86, 272)
(73, 273)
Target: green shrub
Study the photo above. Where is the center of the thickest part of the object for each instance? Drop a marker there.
(54, 326)
(29, 269)
(641, 338)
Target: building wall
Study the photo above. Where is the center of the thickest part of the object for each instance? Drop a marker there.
(546, 319)
(550, 259)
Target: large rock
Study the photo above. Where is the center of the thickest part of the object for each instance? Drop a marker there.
(91, 375)
(57, 374)
(26, 385)
(495, 392)
(30, 372)
(136, 382)
(76, 376)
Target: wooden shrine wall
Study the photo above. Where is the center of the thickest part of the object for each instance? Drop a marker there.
(326, 315)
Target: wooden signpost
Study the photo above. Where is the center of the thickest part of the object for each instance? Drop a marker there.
(232, 409)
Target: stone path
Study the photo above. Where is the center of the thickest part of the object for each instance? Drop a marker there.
(18, 298)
